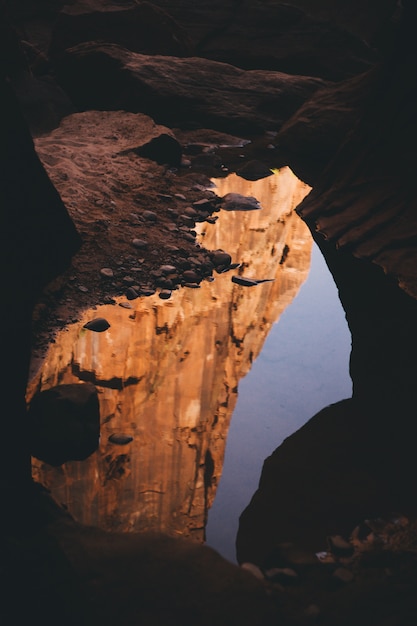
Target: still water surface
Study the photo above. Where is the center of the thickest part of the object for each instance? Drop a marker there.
(302, 368)
(224, 367)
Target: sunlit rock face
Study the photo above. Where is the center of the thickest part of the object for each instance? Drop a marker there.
(167, 372)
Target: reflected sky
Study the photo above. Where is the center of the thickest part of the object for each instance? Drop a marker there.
(302, 368)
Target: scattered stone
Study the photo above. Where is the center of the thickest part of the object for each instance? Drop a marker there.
(145, 291)
(126, 305)
(189, 236)
(139, 243)
(167, 269)
(120, 439)
(187, 220)
(163, 149)
(165, 294)
(180, 196)
(98, 325)
(190, 212)
(190, 276)
(245, 282)
(131, 293)
(106, 272)
(204, 203)
(150, 216)
(254, 170)
(192, 285)
(221, 258)
(83, 289)
(237, 202)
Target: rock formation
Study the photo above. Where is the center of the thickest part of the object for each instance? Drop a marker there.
(334, 100)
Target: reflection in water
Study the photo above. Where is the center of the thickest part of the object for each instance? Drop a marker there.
(167, 372)
(303, 367)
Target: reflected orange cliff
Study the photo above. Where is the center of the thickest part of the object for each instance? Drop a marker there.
(167, 372)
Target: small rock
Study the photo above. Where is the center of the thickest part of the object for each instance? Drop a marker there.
(202, 204)
(187, 220)
(245, 282)
(98, 325)
(145, 291)
(167, 269)
(190, 211)
(131, 293)
(139, 243)
(192, 285)
(165, 283)
(150, 216)
(190, 276)
(254, 170)
(189, 236)
(107, 272)
(237, 202)
(165, 294)
(126, 305)
(221, 258)
(120, 439)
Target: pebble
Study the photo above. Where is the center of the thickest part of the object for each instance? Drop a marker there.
(189, 236)
(165, 294)
(139, 243)
(221, 258)
(125, 305)
(237, 202)
(190, 276)
(107, 272)
(145, 291)
(131, 293)
(150, 216)
(245, 282)
(98, 324)
(167, 269)
(120, 439)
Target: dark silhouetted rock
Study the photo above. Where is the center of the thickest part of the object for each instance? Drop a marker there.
(185, 92)
(65, 423)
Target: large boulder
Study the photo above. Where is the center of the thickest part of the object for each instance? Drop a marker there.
(65, 423)
(188, 92)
